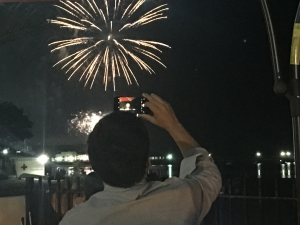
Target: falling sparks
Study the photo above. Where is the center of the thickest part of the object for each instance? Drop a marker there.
(103, 43)
(84, 122)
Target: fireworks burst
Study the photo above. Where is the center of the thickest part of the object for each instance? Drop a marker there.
(84, 122)
(104, 39)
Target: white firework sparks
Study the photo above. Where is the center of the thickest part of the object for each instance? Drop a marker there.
(84, 122)
(102, 42)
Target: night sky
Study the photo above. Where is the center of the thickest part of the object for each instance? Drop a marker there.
(219, 78)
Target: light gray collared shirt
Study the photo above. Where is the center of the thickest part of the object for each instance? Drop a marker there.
(176, 201)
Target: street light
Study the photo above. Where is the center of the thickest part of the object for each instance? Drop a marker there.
(5, 151)
(42, 159)
(258, 154)
(170, 156)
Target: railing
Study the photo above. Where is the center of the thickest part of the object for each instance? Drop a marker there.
(275, 203)
(46, 200)
(62, 195)
(242, 201)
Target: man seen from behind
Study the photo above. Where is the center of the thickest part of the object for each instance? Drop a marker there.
(118, 149)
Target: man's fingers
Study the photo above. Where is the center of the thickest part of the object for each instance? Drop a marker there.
(152, 106)
(146, 95)
(156, 97)
(156, 100)
(152, 99)
(163, 114)
(149, 97)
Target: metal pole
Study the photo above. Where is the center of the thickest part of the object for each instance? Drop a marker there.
(294, 96)
(292, 90)
(280, 86)
(296, 133)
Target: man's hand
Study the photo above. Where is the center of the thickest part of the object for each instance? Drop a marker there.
(164, 115)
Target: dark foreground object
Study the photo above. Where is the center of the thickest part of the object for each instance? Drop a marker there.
(242, 201)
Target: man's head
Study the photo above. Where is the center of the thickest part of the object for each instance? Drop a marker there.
(118, 149)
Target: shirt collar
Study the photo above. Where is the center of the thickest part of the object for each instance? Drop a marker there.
(138, 186)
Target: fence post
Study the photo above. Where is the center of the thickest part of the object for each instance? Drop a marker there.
(41, 202)
(260, 202)
(245, 200)
(29, 199)
(276, 202)
(69, 193)
(50, 218)
(58, 196)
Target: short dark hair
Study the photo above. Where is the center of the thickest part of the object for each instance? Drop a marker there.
(118, 149)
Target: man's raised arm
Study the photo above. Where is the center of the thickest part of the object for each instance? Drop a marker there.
(197, 168)
(165, 118)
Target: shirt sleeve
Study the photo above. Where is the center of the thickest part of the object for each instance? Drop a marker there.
(203, 177)
(64, 221)
(188, 164)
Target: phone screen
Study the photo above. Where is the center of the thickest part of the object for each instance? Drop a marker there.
(130, 104)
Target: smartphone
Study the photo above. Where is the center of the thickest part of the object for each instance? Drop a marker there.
(131, 104)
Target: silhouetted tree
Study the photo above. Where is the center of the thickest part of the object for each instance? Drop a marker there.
(14, 125)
